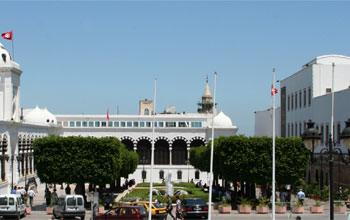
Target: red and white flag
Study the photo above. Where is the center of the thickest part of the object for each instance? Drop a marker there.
(108, 114)
(7, 35)
(273, 90)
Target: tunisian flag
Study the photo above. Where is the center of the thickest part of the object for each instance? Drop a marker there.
(273, 90)
(7, 35)
(108, 114)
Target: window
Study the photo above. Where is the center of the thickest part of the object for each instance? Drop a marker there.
(91, 124)
(116, 124)
(77, 124)
(304, 98)
(183, 124)
(296, 100)
(11, 201)
(71, 124)
(299, 98)
(80, 201)
(136, 124)
(300, 129)
(97, 124)
(288, 130)
(288, 103)
(179, 175)
(142, 124)
(196, 124)
(161, 174)
(148, 124)
(122, 124)
(322, 134)
(103, 124)
(296, 130)
(309, 96)
(170, 124)
(110, 124)
(129, 124)
(327, 132)
(84, 123)
(338, 133)
(71, 201)
(146, 111)
(196, 174)
(161, 124)
(292, 130)
(65, 124)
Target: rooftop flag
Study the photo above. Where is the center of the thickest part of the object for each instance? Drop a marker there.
(7, 35)
(108, 114)
(273, 90)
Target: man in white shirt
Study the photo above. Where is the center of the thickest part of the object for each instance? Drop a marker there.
(31, 195)
(301, 196)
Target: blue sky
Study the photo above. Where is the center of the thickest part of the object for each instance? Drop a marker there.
(84, 57)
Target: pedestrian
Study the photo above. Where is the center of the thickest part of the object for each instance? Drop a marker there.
(54, 196)
(179, 209)
(67, 189)
(47, 197)
(298, 218)
(13, 191)
(23, 192)
(169, 207)
(301, 196)
(31, 195)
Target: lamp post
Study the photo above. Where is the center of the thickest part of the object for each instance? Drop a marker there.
(188, 170)
(143, 170)
(311, 135)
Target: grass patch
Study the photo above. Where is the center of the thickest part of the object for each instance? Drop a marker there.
(148, 184)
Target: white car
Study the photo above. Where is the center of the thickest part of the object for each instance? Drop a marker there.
(12, 205)
(69, 206)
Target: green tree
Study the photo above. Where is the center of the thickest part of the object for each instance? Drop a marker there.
(81, 159)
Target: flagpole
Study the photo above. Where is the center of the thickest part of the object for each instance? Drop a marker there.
(13, 49)
(152, 150)
(212, 152)
(273, 148)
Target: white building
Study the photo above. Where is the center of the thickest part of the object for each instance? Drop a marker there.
(175, 134)
(306, 95)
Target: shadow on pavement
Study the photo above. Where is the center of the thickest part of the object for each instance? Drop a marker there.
(40, 207)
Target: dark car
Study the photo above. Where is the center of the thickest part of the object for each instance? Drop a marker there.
(125, 212)
(195, 207)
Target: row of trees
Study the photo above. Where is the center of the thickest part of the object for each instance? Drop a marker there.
(82, 160)
(249, 159)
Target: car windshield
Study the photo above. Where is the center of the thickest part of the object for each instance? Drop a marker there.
(3, 201)
(194, 202)
(71, 201)
(158, 205)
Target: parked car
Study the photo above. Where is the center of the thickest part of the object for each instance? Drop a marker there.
(124, 212)
(158, 210)
(69, 206)
(195, 207)
(12, 205)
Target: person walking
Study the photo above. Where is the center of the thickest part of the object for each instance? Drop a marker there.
(169, 207)
(178, 209)
(68, 189)
(301, 196)
(47, 197)
(31, 195)
(54, 196)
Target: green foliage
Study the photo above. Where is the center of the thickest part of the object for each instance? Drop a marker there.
(146, 184)
(263, 201)
(244, 202)
(240, 158)
(339, 203)
(184, 184)
(317, 203)
(299, 203)
(81, 159)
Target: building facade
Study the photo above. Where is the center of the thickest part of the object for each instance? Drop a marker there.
(175, 134)
(307, 95)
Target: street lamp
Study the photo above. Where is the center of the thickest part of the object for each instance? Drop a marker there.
(143, 170)
(188, 170)
(310, 135)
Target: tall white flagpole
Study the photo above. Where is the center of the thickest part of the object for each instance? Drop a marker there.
(212, 152)
(332, 113)
(152, 150)
(273, 147)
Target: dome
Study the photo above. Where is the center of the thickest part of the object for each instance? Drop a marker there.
(5, 58)
(40, 116)
(222, 120)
